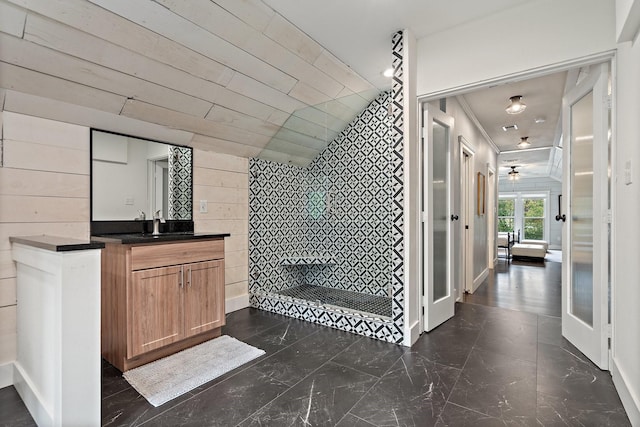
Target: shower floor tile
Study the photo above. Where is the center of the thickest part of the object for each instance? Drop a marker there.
(380, 306)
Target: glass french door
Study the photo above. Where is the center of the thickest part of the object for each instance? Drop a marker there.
(437, 217)
(585, 269)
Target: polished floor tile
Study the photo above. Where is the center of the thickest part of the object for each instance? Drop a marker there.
(412, 393)
(322, 398)
(499, 386)
(12, 410)
(487, 366)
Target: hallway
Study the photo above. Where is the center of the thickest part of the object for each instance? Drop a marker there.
(487, 366)
(534, 287)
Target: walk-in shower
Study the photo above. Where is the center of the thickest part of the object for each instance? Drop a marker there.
(321, 235)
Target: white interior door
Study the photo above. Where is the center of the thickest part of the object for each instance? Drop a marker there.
(437, 215)
(465, 175)
(585, 270)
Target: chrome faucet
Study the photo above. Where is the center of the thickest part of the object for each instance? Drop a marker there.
(157, 219)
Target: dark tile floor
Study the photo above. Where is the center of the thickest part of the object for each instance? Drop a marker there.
(487, 366)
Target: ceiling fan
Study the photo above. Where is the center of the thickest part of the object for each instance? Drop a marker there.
(513, 174)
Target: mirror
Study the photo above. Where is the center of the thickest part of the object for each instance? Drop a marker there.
(131, 175)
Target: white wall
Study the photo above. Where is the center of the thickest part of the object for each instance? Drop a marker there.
(484, 155)
(128, 179)
(562, 32)
(412, 241)
(553, 31)
(44, 189)
(626, 232)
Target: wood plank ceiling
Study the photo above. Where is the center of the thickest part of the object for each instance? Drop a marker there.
(230, 76)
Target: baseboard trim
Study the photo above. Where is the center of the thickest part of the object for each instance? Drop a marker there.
(478, 280)
(6, 375)
(411, 335)
(30, 396)
(630, 401)
(236, 303)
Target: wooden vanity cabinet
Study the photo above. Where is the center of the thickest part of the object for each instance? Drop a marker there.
(160, 298)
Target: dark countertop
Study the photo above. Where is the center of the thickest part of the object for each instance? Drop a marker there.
(56, 243)
(133, 238)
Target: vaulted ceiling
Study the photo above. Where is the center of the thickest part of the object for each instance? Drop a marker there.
(276, 79)
(227, 75)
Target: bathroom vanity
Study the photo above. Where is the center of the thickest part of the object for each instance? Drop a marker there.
(160, 294)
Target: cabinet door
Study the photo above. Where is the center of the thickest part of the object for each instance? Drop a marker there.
(155, 309)
(204, 296)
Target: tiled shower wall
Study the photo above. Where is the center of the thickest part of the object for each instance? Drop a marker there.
(339, 206)
(353, 226)
(277, 224)
(349, 204)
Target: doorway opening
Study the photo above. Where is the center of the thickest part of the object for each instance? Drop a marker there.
(542, 159)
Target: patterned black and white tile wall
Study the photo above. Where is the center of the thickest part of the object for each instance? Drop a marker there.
(352, 179)
(180, 185)
(346, 207)
(277, 224)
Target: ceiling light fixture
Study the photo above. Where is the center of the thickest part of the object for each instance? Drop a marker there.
(516, 106)
(514, 175)
(524, 142)
(388, 72)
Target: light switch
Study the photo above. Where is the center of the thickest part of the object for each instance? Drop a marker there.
(203, 206)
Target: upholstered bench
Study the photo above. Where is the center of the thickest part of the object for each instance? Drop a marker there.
(542, 243)
(522, 250)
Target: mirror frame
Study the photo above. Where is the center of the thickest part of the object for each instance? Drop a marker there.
(102, 227)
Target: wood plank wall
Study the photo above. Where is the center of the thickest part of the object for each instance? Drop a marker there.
(44, 189)
(223, 181)
(231, 72)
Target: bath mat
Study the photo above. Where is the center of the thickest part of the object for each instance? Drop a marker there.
(168, 378)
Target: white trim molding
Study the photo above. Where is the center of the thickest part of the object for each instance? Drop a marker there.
(630, 400)
(236, 303)
(478, 280)
(6, 374)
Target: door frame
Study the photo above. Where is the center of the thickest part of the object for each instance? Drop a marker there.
(434, 316)
(491, 218)
(609, 56)
(466, 210)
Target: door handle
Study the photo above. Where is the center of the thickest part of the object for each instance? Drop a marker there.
(189, 278)
(181, 278)
(454, 217)
(560, 217)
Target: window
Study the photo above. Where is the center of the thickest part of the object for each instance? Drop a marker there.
(525, 213)
(533, 218)
(506, 214)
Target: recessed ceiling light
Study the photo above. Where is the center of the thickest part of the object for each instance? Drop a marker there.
(539, 120)
(509, 127)
(388, 72)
